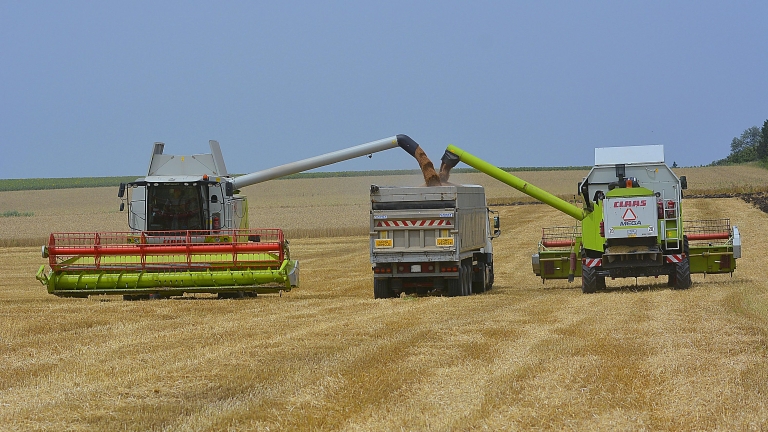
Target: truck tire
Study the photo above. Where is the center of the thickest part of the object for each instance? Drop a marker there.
(453, 287)
(465, 276)
(382, 288)
(490, 277)
(588, 279)
(479, 279)
(682, 275)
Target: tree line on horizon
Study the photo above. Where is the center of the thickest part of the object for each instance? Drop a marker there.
(751, 146)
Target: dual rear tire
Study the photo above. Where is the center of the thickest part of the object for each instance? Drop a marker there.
(463, 285)
(382, 288)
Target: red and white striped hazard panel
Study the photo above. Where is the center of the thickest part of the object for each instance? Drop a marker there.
(593, 262)
(674, 258)
(413, 223)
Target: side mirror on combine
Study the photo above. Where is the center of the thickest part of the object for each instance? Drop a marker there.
(496, 222)
(121, 191)
(229, 189)
(683, 182)
(122, 206)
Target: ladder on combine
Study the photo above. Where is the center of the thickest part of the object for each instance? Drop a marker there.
(670, 227)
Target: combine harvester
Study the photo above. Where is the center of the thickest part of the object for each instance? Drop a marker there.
(630, 225)
(188, 233)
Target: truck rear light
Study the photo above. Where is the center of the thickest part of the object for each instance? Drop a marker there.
(403, 269)
(382, 270)
(449, 269)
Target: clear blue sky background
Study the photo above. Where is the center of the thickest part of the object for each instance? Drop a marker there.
(87, 87)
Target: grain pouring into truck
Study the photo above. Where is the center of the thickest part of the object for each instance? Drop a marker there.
(432, 239)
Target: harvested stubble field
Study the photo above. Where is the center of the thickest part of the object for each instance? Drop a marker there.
(326, 356)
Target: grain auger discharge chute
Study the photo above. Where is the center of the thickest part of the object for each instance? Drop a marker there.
(630, 225)
(187, 233)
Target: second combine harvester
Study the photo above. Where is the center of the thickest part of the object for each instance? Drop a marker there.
(188, 233)
(630, 224)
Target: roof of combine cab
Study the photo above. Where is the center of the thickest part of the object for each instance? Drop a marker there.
(629, 155)
(182, 166)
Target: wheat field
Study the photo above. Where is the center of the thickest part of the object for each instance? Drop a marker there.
(327, 356)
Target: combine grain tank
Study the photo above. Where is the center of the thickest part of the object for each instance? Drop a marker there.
(431, 240)
(188, 233)
(631, 223)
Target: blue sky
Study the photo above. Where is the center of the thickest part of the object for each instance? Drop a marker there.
(87, 87)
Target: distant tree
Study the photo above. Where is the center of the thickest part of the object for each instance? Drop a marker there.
(762, 146)
(674, 164)
(743, 148)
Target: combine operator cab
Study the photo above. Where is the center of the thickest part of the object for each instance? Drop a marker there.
(182, 193)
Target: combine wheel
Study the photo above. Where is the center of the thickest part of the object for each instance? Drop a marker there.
(600, 282)
(588, 279)
(682, 275)
(382, 288)
(128, 297)
(231, 295)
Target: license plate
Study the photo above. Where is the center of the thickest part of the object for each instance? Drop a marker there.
(383, 243)
(445, 241)
(416, 268)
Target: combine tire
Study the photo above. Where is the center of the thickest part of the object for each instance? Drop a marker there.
(600, 282)
(588, 279)
(682, 275)
(382, 288)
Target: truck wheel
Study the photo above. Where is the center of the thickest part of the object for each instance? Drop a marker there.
(682, 275)
(490, 277)
(465, 276)
(382, 289)
(588, 279)
(479, 282)
(453, 287)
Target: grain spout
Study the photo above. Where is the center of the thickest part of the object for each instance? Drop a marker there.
(427, 168)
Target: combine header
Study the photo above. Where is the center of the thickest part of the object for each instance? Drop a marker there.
(631, 223)
(188, 233)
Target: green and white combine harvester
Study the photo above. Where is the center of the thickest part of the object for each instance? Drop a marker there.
(188, 233)
(631, 223)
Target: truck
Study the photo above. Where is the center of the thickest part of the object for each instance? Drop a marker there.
(188, 232)
(630, 223)
(431, 240)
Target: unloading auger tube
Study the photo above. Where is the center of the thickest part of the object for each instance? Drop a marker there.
(453, 155)
(404, 141)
